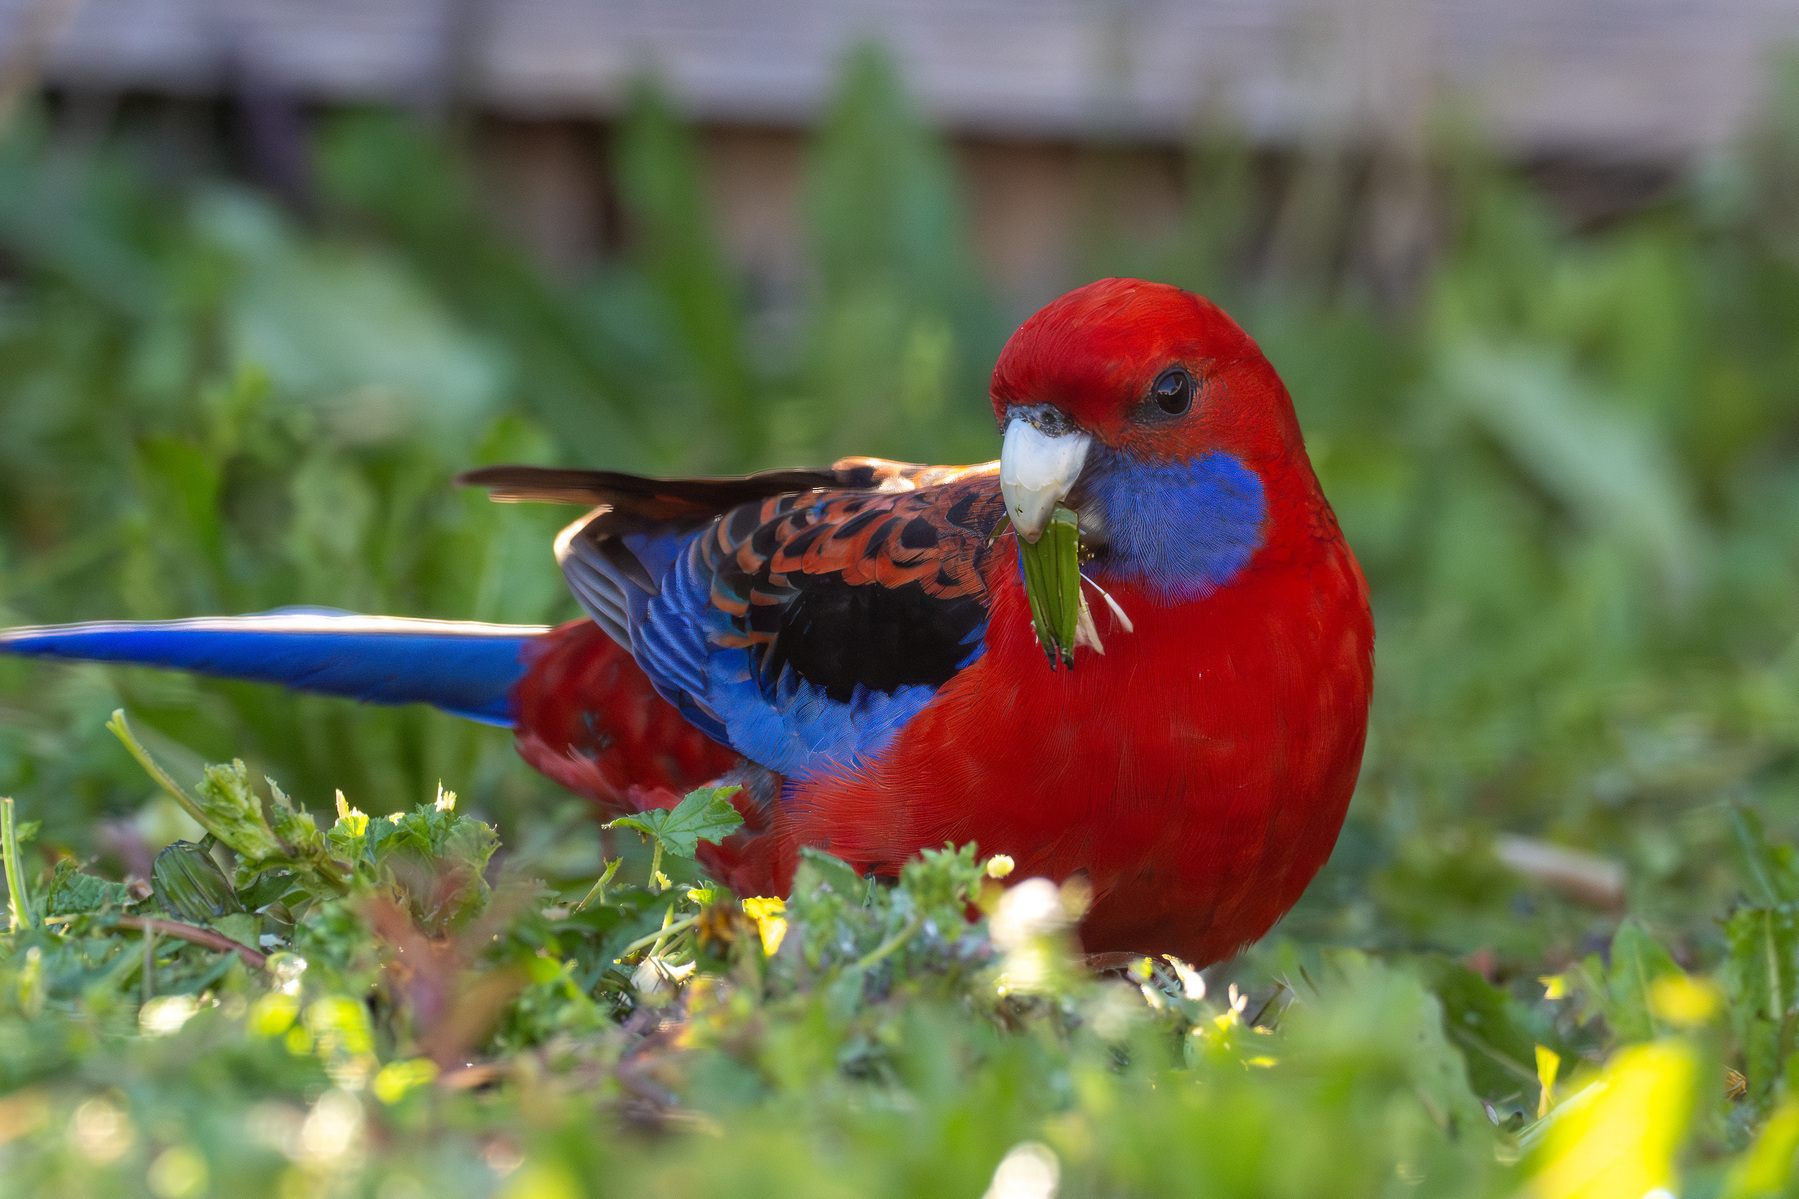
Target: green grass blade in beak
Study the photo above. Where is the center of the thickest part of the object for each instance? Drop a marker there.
(1052, 583)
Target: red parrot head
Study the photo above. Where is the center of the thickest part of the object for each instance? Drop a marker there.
(1147, 410)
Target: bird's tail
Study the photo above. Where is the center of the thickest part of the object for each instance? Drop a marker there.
(581, 710)
(464, 668)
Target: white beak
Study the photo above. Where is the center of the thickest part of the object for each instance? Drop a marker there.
(1035, 471)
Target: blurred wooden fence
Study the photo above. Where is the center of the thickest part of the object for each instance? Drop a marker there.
(1615, 76)
(1020, 84)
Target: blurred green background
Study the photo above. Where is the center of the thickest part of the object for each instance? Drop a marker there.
(1566, 455)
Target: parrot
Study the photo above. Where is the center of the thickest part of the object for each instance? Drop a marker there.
(863, 651)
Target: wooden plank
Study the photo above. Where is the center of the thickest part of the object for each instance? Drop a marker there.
(1628, 77)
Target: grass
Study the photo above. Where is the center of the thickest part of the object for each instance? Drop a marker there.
(1568, 461)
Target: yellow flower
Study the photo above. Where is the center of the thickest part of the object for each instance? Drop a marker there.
(770, 921)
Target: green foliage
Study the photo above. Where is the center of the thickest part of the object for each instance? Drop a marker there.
(1566, 464)
(187, 882)
(409, 1025)
(72, 891)
(886, 1023)
(703, 815)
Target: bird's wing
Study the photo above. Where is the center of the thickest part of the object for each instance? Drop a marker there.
(664, 499)
(628, 539)
(673, 499)
(802, 628)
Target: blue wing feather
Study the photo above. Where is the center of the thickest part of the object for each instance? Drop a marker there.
(789, 724)
(465, 668)
(672, 639)
(805, 633)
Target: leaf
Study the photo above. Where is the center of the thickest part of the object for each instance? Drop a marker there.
(944, 881)
(1383, 1017)
(1614, 472)
(881, 192)
(1638, 959)
(833, 872)
(190, 884)
(233, 813)
(298, 829)
(1768, 871)
(1763, 967)
(73, 892)
(704, 815)
(1052, 583)
(1495, 1032)
(1621, 1136)
(265, 889)
(1761, 977)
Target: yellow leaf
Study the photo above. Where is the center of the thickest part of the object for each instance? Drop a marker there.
(1549, 1064)
(1617, 1139)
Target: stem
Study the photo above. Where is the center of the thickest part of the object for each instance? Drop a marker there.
(656, 868)
(122, 731)
(197, 936)
(149, 960)
(598, 894)
(16, 892)
(319, 863)
(665, 931)
(912, 925)
(334, 876)
(671, 931)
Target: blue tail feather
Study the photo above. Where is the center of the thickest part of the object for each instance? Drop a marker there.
(464, 668)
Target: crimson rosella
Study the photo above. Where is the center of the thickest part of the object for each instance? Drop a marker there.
(856, 648)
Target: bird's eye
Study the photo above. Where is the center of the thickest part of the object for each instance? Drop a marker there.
(1173, 391)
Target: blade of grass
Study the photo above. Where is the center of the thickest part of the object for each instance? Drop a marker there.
(16, 892)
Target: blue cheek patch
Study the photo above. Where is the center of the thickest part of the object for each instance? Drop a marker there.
(1184, 529)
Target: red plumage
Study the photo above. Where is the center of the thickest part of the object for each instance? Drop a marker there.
(588, 718)
(1197, 772)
